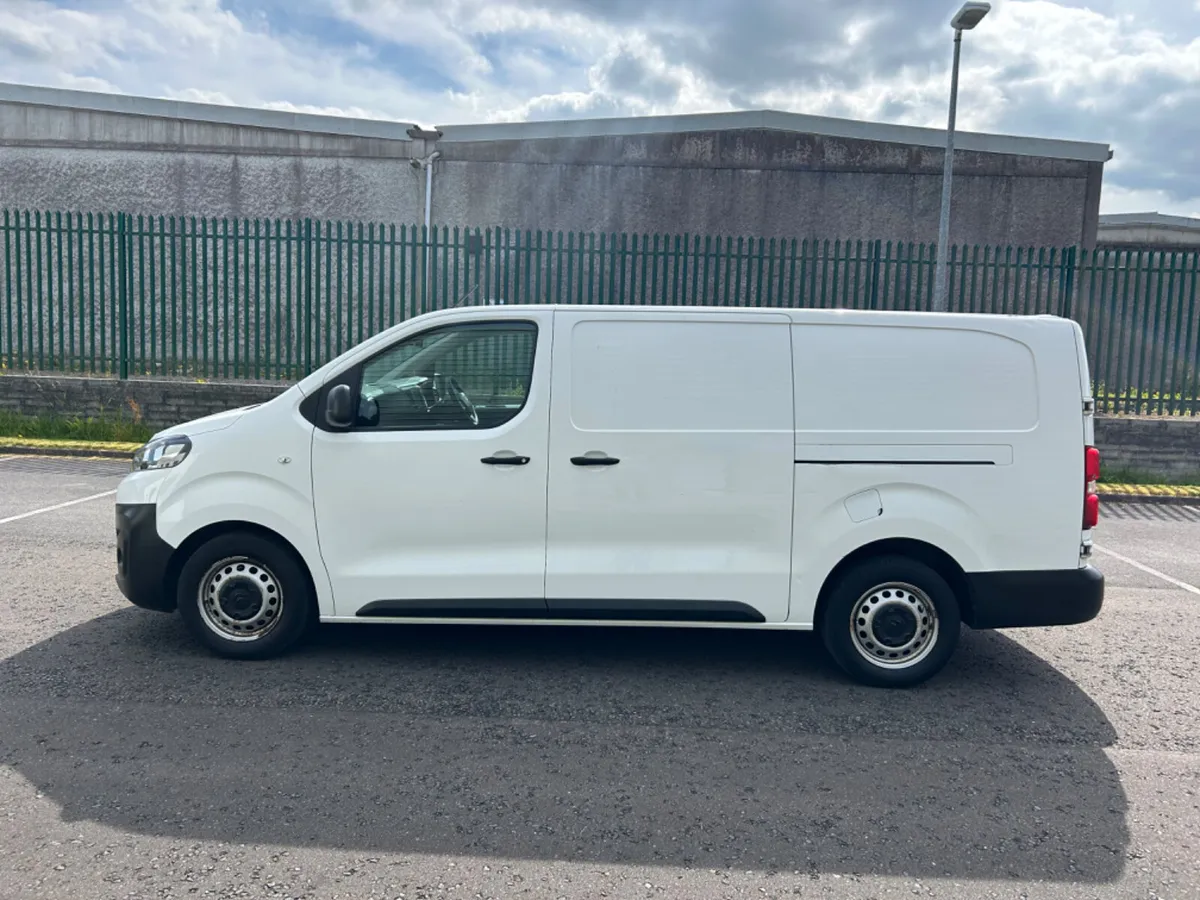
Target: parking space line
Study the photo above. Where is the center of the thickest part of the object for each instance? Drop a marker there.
(46, 509)
(1190, 588)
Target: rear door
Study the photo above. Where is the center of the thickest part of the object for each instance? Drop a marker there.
(671, 458)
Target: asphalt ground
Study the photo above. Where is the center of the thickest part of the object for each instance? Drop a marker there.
(431, 762)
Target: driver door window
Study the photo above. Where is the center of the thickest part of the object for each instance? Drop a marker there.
(457, 377)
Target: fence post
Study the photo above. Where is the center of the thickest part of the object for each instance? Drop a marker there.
(1067, 282)
(873, 294)
(123, 261)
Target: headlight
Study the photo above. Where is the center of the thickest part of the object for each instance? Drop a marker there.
(164, 453)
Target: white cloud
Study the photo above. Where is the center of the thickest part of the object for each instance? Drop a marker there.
(428, 27)
(197, 50)
(87, 83)
(41, 35)
(1078, 54)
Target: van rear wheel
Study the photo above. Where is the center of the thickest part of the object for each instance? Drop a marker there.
(244, 596)
(891, 621)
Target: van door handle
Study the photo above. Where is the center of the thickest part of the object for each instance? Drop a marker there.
(505, 460)
(594, 460)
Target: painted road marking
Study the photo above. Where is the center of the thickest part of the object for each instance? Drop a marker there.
(1190, 588)
(46, 509)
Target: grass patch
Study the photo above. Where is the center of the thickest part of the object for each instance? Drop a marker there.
(9, 443)
(114, 431)
(1133, 476)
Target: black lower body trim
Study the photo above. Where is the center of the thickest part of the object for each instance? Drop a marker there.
(143, 558)
(570, 610)
(1034, 599)
(485, 608)
(655, 610)
(895, 462)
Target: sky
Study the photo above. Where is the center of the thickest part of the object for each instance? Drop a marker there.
(1122, 72)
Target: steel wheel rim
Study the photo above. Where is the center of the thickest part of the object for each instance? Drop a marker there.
(894, 625)
(240, 599)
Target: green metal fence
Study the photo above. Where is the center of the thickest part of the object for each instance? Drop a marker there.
(125, 295)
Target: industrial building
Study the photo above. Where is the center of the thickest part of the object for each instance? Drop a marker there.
(1149, 231)
(757, 173)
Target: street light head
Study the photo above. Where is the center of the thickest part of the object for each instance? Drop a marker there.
(970, 15)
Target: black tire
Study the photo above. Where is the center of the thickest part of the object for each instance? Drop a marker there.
(888, 598)
(262, 588)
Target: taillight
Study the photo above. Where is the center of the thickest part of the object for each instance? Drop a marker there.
(1091, 465)
(1091, 501)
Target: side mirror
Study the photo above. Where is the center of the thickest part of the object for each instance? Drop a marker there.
(339, 407)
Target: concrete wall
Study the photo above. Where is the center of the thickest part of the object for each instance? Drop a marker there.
(1162, 447)
(88, 160)
(157, 157)
(765, 183)
(1168, 448)
(158, 404)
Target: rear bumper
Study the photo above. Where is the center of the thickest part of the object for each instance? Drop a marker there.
(1034, 599)
(142, 557)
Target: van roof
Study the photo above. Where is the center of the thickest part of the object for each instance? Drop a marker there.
(797, 314)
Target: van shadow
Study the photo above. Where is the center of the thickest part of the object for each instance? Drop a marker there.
(699, 748)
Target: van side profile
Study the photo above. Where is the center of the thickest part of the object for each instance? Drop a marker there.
(882, 478)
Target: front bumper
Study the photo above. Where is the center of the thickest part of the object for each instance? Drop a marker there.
(1034, 599)
(143, 558)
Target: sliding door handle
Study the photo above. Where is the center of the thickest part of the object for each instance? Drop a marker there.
(594, 460)
(505, 460)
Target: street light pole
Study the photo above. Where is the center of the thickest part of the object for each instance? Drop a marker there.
(967, 17)
(940, 298)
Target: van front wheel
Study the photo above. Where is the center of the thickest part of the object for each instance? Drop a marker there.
(244, 596)
(891, 621)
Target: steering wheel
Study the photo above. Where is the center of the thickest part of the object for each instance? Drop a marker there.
(448, 383)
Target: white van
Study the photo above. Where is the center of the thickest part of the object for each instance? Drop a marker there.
(880, 477)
